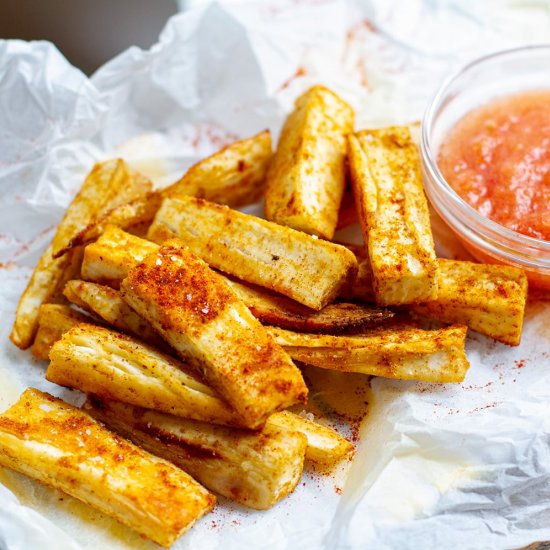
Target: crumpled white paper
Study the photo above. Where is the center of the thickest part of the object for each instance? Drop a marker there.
(455, 466)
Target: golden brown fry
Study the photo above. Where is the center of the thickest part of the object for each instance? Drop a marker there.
(115, 252)
(106, 303)
(71, 271)
(141, 210)
(53, 321)
(115, 366)
(406, 354)
(123, 250)
(257, 469)
(268, 308)
(198, 314)
(324, 446)
(306, 178)
(394, 215)
(306, 269)
(62, 446)
(108, 185)
(282, 312)
(101, 189)
(233, 176)
(42, 288)
(490, 299)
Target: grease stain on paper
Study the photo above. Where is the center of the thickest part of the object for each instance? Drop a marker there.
(9, 390)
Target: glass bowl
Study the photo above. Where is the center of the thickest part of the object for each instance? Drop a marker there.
(498, 74)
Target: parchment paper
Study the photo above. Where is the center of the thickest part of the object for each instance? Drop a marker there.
(455, 466)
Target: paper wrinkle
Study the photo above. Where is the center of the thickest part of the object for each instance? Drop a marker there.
(455, 466)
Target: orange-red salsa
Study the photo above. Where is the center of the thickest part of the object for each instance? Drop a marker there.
(497, 158)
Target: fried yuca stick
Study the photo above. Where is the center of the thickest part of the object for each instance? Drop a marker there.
(141, 210)
(62, 446)
(308, 270)
(306, 177)
(53, 321)
(198, 314)
(257, 469)
(405, 354)
(40, 289)
(324, 444)
(98, 190)
(106, 302)
(490, 299)
(109, 259)
(394, 215)
(109, 184)
(233, 176)
(269, 309)
(115, 366)
(285, 313)
(123, 250)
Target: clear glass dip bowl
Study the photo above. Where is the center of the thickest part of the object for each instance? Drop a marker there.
(495, 75)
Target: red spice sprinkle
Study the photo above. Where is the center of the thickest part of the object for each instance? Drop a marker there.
(338, 490)
(299, 72)
(520, 363)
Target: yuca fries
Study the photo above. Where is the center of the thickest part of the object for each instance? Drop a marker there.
(199, 315)
(171, 298)
(257, 469)
(107, 262)
(309, 270)
(269, 309)
(306, 177)
(99, 191)
(108, 185)
(405, 354)
(490, 299)
(394, 215)
(285, 313)
(115, 366)
(41, 288)
(124, 252)
(53, 321)
(107, 304)
(390, 349)
(141, 210)
(324, 446)
(62, 446)
(232, 176)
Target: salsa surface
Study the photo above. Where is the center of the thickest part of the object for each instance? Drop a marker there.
(497, 158)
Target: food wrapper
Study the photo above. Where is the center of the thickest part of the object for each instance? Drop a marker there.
(437, 466)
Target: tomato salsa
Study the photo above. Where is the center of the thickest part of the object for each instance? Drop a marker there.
(497, 158)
